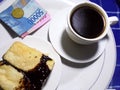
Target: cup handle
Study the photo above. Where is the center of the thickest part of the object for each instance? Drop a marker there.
(113, 20)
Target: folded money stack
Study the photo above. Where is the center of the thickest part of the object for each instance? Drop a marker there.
(24, 16)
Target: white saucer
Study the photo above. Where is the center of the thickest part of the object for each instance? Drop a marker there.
(67, 48)
(46, 48)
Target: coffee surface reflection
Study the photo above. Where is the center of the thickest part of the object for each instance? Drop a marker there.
(87, 22)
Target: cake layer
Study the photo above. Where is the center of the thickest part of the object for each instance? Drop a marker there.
(22, 56)
(11, 79)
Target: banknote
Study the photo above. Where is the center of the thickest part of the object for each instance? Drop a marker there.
(39, 24)
(22, 15)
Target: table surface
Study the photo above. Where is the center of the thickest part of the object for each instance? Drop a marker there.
(112, 7)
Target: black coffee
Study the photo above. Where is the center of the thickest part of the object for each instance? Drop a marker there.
(87, 22)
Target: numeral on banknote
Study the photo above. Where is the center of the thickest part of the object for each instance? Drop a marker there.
(35, 16)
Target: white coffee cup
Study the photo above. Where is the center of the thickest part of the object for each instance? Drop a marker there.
(99, 11)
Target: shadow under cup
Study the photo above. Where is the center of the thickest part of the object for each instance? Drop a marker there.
(87, 21)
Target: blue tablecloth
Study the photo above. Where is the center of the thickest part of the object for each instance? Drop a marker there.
(1, 0)
(112, 7)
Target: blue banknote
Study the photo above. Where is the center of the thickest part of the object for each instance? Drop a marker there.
(33, 12)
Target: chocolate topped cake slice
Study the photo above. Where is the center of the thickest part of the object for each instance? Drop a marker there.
(34, 64)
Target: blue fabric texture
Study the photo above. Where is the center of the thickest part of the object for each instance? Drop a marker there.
(1, 0)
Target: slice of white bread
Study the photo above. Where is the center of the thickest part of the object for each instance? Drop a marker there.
(35, 65)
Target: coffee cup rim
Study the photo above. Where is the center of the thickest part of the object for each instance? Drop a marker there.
(101, 10)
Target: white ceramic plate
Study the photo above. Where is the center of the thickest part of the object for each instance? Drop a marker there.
(46, 48)
(76, 76)
(66, 47)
